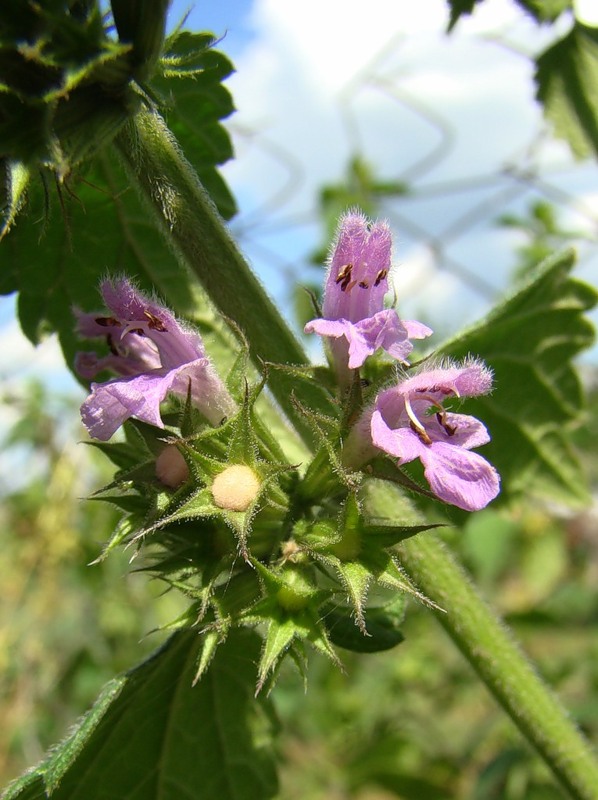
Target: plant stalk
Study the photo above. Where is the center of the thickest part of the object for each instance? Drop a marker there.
(192, 226)
(491, 650)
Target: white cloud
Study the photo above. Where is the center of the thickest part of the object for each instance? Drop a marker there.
(320, 81)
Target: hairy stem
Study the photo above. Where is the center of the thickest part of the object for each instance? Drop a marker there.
(192, 226)
(492, 651)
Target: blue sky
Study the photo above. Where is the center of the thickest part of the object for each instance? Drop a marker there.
(229, 19)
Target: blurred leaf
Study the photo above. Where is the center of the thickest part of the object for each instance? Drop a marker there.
(487, 543)
(359, 189)
(540, 10)
(530, 341)
(382, 624)
(544, 235)
(544, 562)
(494, 777)
(567, 87)
(457, 9)
(152, 736)
(545, 10)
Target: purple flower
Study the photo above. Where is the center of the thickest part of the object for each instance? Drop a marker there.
(353, 311)
(153, 355)
(408, 421)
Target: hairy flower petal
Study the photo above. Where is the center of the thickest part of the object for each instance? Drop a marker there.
(460, 477)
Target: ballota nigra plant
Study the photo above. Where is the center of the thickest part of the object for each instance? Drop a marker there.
(306, 534)
(249, 537)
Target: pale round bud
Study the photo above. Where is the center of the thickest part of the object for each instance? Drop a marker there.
(171, 467)
(235, 488)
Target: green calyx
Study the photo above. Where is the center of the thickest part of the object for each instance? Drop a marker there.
(253, 540)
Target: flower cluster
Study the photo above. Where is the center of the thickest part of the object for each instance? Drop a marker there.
(407, 421)
(251, 537)
(153, 355)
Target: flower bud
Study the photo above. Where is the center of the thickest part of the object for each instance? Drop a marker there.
(235, 488)
(171, 467)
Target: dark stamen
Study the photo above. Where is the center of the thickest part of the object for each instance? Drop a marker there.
(380, 276)
(421, 434)
(450, 429)
(364, 284)
(112, 346)
(154, 323)
(107, 322)
(344, 274)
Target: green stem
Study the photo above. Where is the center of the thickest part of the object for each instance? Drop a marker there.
(189, 221)
(491, 650)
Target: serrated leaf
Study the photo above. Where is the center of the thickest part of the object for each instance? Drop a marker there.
(66, 238)
(567, 86)
(152, 736)
(62, 257)
(190, 80)
(530, 341)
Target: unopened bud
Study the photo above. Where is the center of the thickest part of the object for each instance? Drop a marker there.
(235, 488)
(171, 467)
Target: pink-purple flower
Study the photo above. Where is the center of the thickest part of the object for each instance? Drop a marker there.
(153, 354)
(353, 312)
(409, 421)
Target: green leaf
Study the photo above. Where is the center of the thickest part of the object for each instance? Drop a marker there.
(545, 10)
(15, 180)
(567, 87)
(458, 9)
(190, 79)
(530, 341)
(61, 259)
(152, 736)
(142, 23)
(68, 236)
